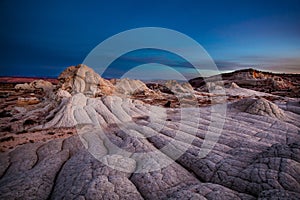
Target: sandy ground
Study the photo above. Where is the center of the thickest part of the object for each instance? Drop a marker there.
(9, 141)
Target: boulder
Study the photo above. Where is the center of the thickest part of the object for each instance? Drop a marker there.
(41, 85)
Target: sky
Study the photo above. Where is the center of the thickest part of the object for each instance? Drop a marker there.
(43, 38)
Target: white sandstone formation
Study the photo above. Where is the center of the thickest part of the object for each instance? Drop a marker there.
(82, 79)
(179, 88)
(259, 106)
(42, 85)
(129, 87)
(257, 155)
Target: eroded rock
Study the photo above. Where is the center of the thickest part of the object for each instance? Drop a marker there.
(256, 155)
(82, 79)
(259, 106)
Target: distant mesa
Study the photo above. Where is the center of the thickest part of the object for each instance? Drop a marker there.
(277, 84)
(18, 80)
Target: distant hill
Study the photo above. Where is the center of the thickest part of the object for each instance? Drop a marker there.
(17, 80)
(274, 83)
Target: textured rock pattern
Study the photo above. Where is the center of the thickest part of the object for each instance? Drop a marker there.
(178, 88)
(132, 87)
(42, 85)
(256, 156)
(82, 79)
(259, 106)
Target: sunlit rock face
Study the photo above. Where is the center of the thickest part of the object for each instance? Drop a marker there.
(82, 79)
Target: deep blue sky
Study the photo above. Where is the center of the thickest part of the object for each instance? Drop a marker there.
(42, 38)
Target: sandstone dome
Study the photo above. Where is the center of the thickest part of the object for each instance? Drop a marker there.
(259, 106)
(82, 79)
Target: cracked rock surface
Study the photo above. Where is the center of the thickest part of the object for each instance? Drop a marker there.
(87, 143)
(256, 156)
